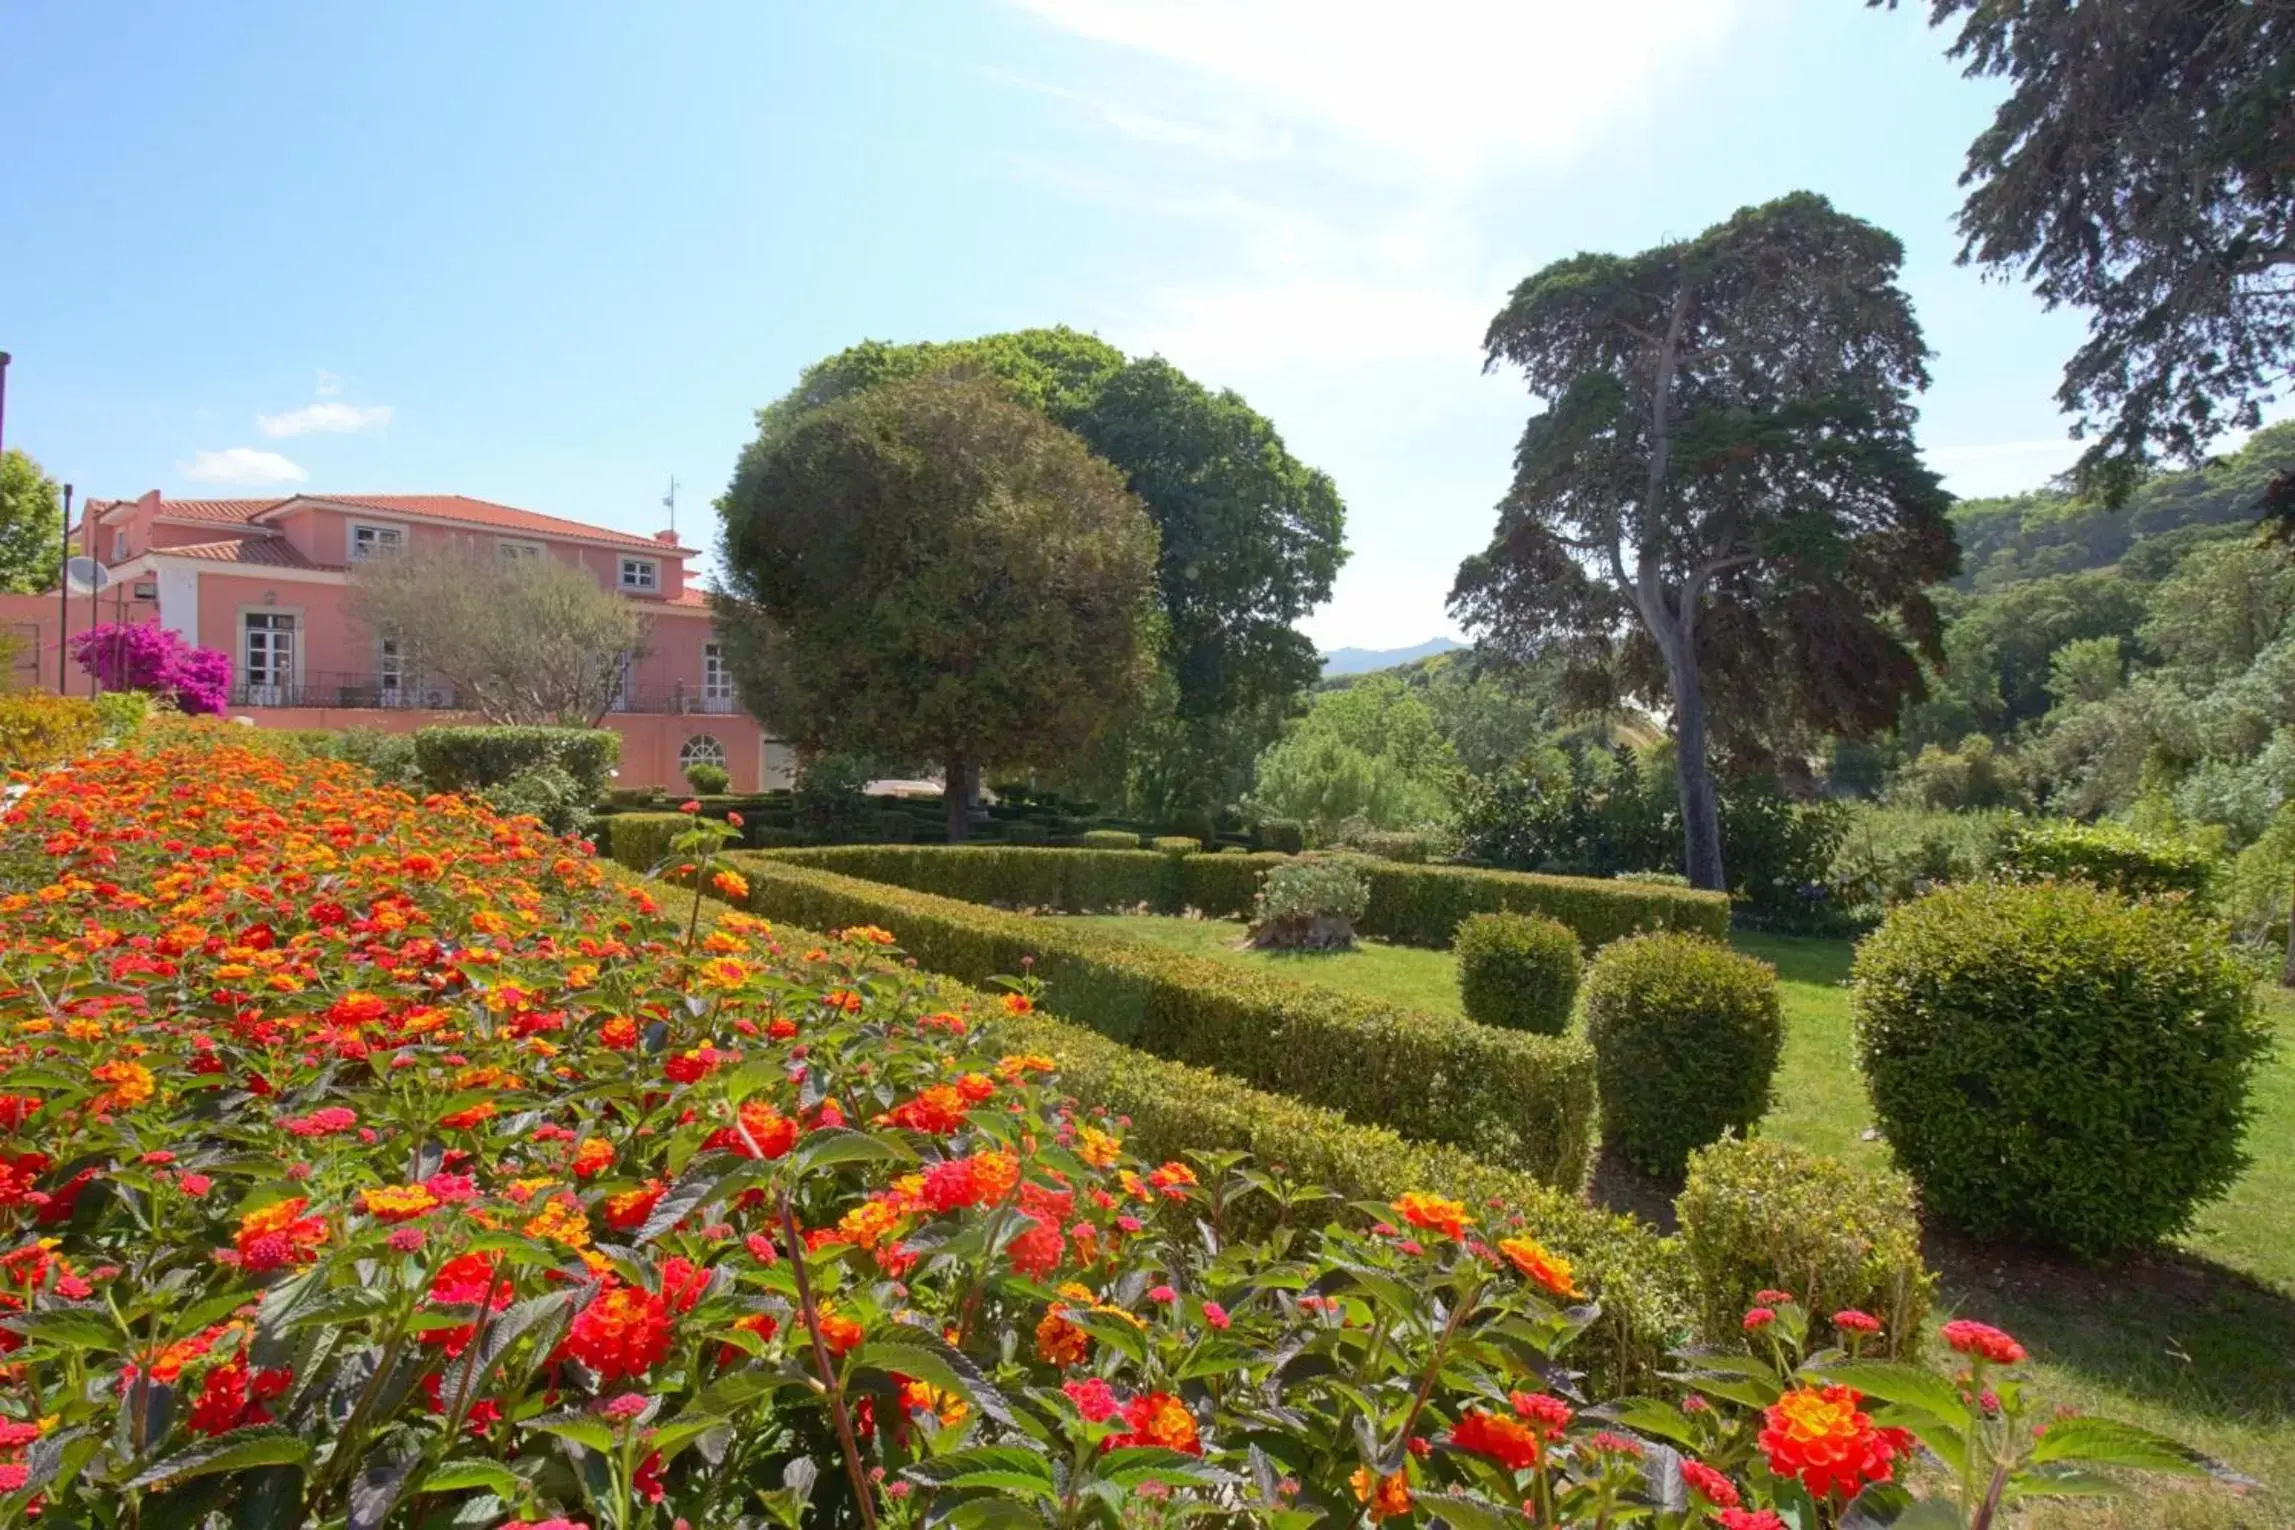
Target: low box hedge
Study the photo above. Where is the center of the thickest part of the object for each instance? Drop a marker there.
(1411, 905)
(1525, 1101)
(1172, 1110)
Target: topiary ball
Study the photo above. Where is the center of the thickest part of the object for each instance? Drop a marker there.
(1519, 971)
(2056, 1064)
(1685, 1034)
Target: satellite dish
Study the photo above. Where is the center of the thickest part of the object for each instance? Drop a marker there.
(85, 576)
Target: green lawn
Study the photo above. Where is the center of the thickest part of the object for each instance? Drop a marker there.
(2198, 1341)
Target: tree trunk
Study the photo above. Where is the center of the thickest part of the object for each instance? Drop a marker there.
(956, 797)
(2287, 972)
(1692, 771)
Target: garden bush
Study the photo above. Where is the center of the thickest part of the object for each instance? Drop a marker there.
(707, 778)
(38, 729)
(2107, 856)
(468, 759)
(895, 827)
(1278, 836)
(828, 804)
(1175, 844)
(641, 840)
(1519, 971)
(1686, 1034)
(1405, 845)
(2055, 1064)
(1025, 831)
(1109, 839)
(123, 713)
(1310, 904)
(1522, 1100)
(144, 656)
(1411, 905)
(1762, 1215)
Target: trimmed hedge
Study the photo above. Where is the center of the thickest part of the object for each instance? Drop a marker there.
(1526, 1101)
(1109, 839)
(1760, 1215)
(1686, 1033)
(467, 759)
(2107, 856)
(1411, 905)
(1172, 1110)
(640, 841)
(1519, 971)
(1279, 836)
(2056, 1064)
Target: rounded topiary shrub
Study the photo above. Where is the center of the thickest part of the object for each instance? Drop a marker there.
(1685, 1034)
(1517, 970)
(1280, 836)
(2056, 1064)
(1758, 1215)
(707, 779)
(1109, 839)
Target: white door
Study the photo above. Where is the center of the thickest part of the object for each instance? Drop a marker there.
(268, 659)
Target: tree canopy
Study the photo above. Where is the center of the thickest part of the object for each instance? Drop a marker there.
(926, 569)
(1723, 481)
(2142, 168)
(31, 524)
(521, 640)
(1250, 538)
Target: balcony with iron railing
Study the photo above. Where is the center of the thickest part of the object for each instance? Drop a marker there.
(357, 692)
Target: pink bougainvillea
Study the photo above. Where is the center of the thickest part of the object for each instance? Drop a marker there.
(144, 656)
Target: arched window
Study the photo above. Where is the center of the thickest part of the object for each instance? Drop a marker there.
(701, 749)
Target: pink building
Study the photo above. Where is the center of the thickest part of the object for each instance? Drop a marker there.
(264, 580)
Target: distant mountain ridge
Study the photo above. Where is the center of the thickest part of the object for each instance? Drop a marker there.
(1361, 661)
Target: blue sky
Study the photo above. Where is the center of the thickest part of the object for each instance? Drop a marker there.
(553, 254)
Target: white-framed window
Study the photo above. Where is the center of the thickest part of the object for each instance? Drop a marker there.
(518, 552)
(701, 749)
(267, 657)
(390, 671)
(641, 574)
(376, 541)
(716, 679)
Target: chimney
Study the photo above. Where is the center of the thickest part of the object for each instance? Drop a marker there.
(666, 538)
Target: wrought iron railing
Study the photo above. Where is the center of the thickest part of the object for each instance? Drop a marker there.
(372, 692)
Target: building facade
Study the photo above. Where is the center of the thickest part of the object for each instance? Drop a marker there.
(267, 581)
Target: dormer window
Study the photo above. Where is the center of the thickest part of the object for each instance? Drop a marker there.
(641, 576)
(376, 541)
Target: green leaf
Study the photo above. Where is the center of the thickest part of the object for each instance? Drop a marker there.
(69, 1327)
(992, 1514)
(840, 1145)
(923, 1356)
(1647, 1415)
(2103, 1442)
(1135, 1464)
(240, 1450)
(682, 1431)
(1463, 1511)
(693, 1188)
(1008, 1460)
(493, 1476)
(588, 1433)
(1893, 1381)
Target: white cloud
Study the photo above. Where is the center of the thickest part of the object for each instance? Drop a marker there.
(1445, 87)
(242, 465)
(327, 417)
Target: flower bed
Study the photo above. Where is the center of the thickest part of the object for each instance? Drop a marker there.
(370, 1160)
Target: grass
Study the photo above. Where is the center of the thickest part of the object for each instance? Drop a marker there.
(2196, 1341)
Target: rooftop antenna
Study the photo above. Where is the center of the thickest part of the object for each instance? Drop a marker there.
(669, 502)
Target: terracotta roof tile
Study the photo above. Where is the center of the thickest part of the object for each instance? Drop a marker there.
(479, 512)
(227, 510)
(266, 552)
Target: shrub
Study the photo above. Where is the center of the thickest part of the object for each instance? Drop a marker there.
(829, 803)
(1192, 823)
(1109, 839)
(1978, 775)
(37, 729)
(463, 759)
(1310, 904)
(550, 794)
(1686, 1033)
(1652, 878)
(1395, 845)
(1890, 854)
(389, 755)
(707, 778)
(1760, 1215)
(2054, 1063)
(895, 827)
(1526, 1101)
(144, 656)
(1279, 836)
(1519, 971)
(1025, 831)
(640, 841)
(633, 796)
(123, 713)
(1175, 844)
(2106, 856)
